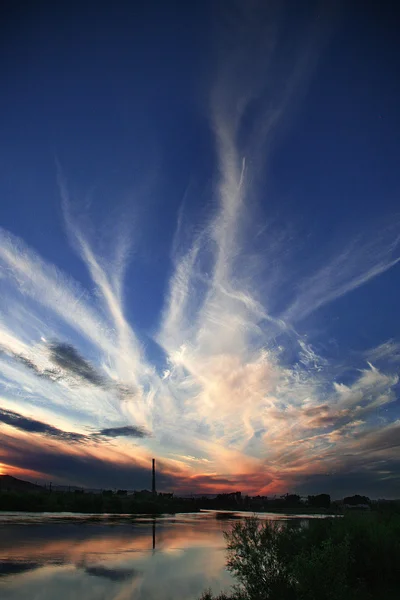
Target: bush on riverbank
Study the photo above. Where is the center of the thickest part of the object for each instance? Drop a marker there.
(352, 558)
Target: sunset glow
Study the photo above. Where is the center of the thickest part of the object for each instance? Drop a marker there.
(187, 279)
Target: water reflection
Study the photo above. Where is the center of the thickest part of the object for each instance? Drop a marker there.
(104, 557)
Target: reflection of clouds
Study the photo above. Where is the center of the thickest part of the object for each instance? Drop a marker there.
(76, 547)
(9, 567)
(116, 562)
(120, 574)
(62, 582)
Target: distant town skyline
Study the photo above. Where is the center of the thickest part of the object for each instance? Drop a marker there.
(200, 246)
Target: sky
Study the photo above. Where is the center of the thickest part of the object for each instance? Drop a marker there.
(200, 245)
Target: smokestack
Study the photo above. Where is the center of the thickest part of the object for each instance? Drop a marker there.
(153, 488)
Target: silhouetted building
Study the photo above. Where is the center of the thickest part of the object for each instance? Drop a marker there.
(142, 494)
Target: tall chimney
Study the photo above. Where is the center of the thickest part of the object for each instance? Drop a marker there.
(153, 489)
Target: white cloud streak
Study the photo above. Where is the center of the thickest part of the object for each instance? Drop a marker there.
(354, 267)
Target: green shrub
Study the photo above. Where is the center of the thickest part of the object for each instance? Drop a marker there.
(321, 572)
(356, 557)
(207, 595)
(256, 557)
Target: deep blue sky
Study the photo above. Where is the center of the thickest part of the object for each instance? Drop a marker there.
(116, 93)
(116, 96)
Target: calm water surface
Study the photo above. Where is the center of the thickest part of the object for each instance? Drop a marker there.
(99, 557)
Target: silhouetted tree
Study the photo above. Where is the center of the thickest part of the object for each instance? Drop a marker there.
(292, 500)
(356, 499)
(320, 501)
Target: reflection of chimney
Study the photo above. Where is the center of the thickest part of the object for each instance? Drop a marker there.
(153, 488)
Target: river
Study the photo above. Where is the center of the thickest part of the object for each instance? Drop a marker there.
(62, 556)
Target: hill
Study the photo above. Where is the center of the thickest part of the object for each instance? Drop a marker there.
(12, 484)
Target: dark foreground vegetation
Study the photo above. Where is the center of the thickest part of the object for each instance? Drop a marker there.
(355, 557)
(85, 502)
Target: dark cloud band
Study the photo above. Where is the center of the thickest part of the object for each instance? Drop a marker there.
(29, 425)
(33, 426)
(70, 365)
(128, 431)
(68, 358)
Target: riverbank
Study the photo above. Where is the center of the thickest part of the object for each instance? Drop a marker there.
(74, 502)
(303, 510)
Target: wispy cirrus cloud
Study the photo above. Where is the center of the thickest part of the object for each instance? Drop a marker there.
(387, 351)
(238, 397)
(30, 275)
(353, 267)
